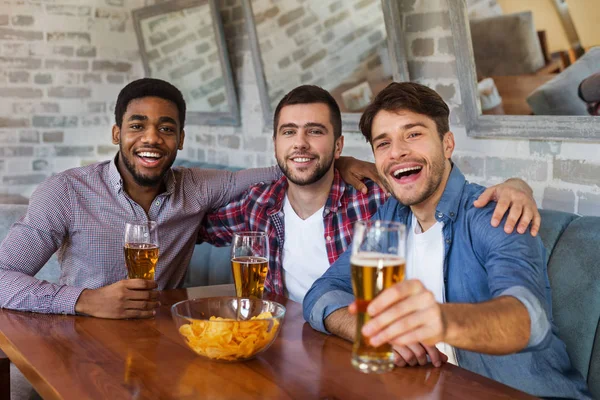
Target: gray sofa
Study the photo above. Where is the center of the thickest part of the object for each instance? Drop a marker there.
(559, 96)
(573, 251)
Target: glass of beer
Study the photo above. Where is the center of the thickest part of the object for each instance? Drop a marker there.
(141, 249)
(249, 263)
(377, 262)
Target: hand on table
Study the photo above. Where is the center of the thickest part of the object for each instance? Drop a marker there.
(416, 354)
(129, 298)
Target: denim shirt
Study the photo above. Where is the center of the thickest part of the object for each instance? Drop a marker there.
(480, 263)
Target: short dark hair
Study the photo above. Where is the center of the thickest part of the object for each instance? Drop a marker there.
(311, 94)
(149, 87)
(409, 96)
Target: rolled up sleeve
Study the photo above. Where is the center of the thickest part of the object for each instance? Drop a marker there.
(516, 266)
(540, 325)
(327, 304)
(329, 293)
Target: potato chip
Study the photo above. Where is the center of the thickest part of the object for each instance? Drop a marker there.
(232, 339)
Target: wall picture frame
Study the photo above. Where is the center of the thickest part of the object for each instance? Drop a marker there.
(183, 42)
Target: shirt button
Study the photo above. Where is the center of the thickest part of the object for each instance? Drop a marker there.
(157, 203)
(452, 214)
(440, 215)
(448, 241)
(328, 238)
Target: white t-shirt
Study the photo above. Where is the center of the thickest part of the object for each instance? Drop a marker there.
(425, 261)
(304, 253)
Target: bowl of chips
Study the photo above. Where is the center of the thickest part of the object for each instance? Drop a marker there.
(228, 328)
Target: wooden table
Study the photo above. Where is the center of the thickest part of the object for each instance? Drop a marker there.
(68, 357)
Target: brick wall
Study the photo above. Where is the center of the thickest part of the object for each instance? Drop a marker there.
(324, 42)
(61, 67)
(75, 131)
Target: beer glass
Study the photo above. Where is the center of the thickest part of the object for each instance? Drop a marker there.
(141, 249)
(377, 262)
(249, 263)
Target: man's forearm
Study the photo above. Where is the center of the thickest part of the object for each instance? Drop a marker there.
(341, 323)
(19, 291)
(244, 179)
(499, 326)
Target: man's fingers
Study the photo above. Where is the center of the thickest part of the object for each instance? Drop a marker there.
(139, 314)
(356, 183)
(141, 305)
(424, 334)
(444, 357)
(499, 211)
(524, 220)
(485, 197)
(397, 319)
(398, 360)
(419, 352)
(435, 355)
(138, 284)
(407, 355)
(394, 294)
(352, 308)
(513, 217)
(148, 295)
(537, 221)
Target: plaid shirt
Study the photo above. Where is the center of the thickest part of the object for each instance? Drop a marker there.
(260, 209)
(81, 213)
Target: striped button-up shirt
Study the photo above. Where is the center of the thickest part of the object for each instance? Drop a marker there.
(260, 209)
(81, 214)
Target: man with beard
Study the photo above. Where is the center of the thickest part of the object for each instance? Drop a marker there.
(81, 213)
(309, 213)
(477, 293)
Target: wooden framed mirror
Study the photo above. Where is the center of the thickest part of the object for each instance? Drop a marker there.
(352, 48)
(183, 42)
(545, 98)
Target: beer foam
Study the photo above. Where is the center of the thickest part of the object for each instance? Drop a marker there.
(372, 259)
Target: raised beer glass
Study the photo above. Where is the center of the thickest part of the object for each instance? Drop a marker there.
(377, 262)
(249, 263)
(141, 249)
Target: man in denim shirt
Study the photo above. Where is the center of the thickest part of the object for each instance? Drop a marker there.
(486, 296)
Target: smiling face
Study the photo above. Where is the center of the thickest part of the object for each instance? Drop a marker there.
(305, 146)
(148, 140)
(410, 157)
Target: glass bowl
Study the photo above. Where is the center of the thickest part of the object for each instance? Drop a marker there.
(228, 328)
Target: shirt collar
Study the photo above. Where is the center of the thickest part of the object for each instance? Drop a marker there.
(275, 196)
(334, 201)
(116, 180)
(450, 201)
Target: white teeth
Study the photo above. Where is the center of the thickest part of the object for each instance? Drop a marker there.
(399, 171)
(301, 159)
(149, 154)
